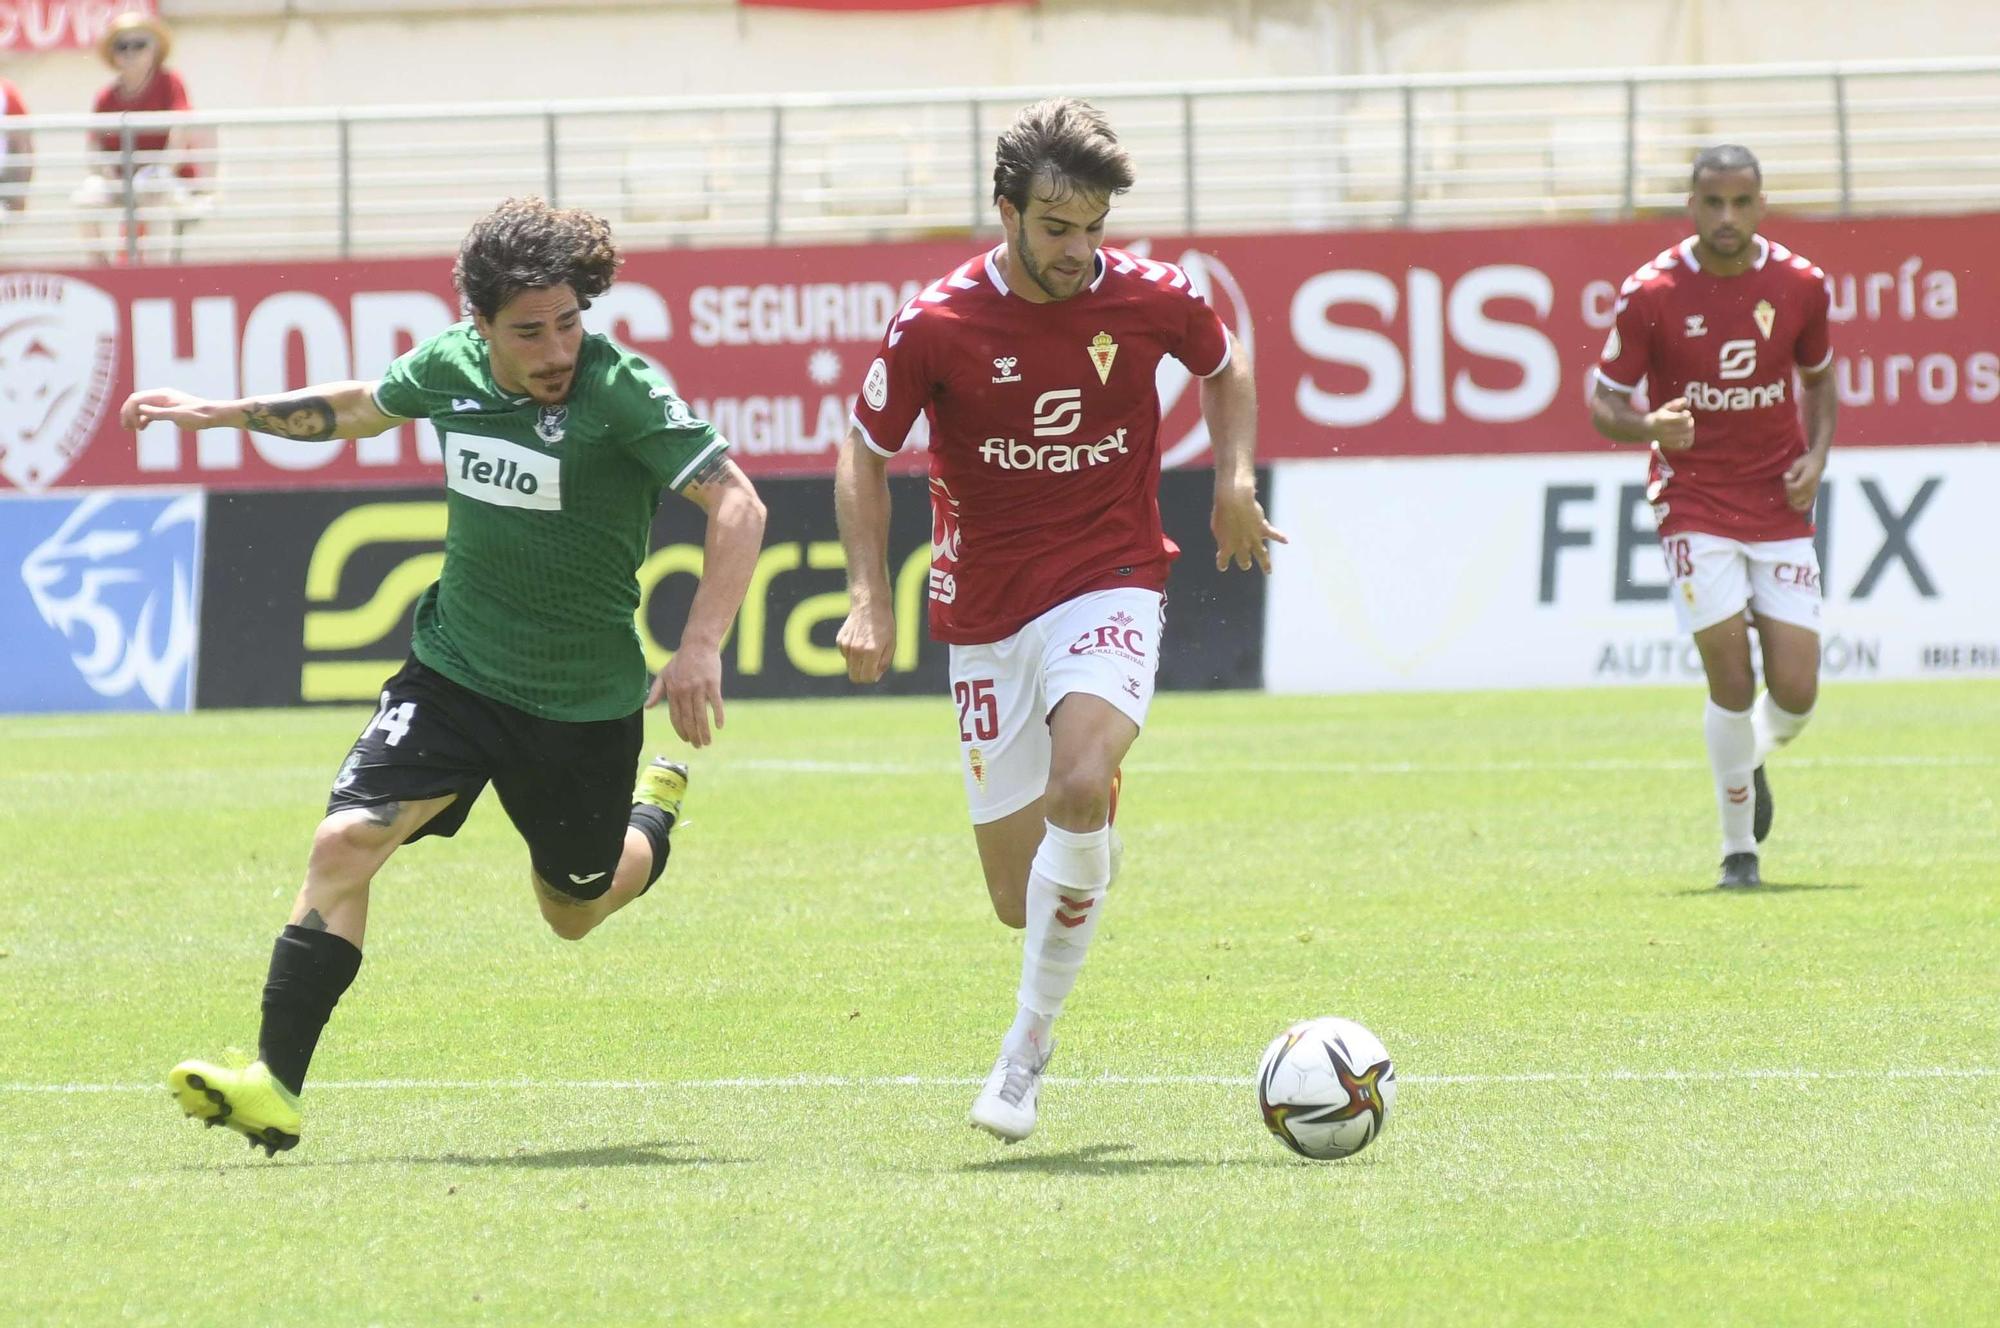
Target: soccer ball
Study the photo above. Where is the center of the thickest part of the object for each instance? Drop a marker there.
(1325, 1087)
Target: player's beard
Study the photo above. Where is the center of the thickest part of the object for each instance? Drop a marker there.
(1735, 244)
(551, 390)
(1040, 275)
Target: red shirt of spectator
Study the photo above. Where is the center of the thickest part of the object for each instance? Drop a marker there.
(162, 92)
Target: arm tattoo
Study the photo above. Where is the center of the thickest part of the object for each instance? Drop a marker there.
(383, 813)
(711, 471)
(312, 921)
(299, 415)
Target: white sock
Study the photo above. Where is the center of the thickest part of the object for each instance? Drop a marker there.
(1775, 726)
(1066, 888)
(1732, 751)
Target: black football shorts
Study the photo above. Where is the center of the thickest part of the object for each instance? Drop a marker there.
(566, 786)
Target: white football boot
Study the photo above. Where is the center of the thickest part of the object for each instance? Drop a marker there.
(1005, 1107)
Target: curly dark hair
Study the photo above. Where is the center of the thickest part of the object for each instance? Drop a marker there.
(524, 244)
(1066, 141)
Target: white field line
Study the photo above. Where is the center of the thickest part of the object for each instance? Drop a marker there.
(1613, 764)
(1781, 1075)
(946, 768)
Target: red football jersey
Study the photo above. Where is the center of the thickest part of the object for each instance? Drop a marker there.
(1729, 345)
(164, 91)
(10, 99)
(1044, 432)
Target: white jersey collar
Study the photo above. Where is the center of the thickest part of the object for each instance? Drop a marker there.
(1000, 282)
(1756, 264)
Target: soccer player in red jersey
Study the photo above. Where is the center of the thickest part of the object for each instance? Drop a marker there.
(1718, 326)
(1034, 365)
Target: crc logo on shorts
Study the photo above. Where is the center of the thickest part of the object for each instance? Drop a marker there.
(875, 387)
(58, 356)
(493, 470)
(1804, 576)
(1116, 637)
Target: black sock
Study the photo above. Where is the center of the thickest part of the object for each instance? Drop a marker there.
(654, 824)
(309, 971)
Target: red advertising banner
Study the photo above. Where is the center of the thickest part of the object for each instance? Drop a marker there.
(1366, 343)
(55, 25)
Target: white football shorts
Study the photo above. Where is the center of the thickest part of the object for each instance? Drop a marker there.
(1714, 577)
(1105, 643)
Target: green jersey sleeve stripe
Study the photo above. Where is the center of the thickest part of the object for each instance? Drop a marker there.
(689, 469)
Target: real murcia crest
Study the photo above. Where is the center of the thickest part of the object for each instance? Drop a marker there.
(549, 425)
(1103, 350)
(1766, 317)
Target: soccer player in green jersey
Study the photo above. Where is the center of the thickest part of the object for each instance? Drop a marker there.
(525, 665)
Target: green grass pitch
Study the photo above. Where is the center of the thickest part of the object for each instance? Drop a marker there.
(1625, 1098)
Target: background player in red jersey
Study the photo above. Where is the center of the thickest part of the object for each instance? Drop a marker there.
(1034, 364)
(1717, 326)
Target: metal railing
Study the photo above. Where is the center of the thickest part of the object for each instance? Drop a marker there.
(1291, 154)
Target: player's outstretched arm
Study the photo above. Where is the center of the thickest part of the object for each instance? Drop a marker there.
(1614, 416)
(861, 503)
(691, 684)
(1229, 407)
(313, 414)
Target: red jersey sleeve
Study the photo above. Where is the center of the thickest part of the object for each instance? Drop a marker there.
(1628, 351)
(1814, 349)
(10, 100)
(1204, 341)
(176, 93)
(899, 384)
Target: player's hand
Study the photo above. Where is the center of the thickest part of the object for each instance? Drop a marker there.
(868, 641)
(1242, 535)
(691, 684)
(165, 403)
(1672, 426)
(1802, 481)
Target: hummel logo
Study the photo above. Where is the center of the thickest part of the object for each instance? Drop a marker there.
(574, 879)
(1695, 326)
(467, 406)
(1003, 369)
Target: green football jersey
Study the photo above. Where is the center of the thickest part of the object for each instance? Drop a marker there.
(549, 513)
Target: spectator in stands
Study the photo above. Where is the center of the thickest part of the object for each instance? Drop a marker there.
(136, 47)
(17, 153)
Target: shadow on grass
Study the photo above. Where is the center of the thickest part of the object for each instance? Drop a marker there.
(653, 1154)
(1095, 1160)
(612, 1155)
(1750, 891)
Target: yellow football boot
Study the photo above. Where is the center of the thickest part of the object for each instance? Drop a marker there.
(663, 784)
(249, 1101)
